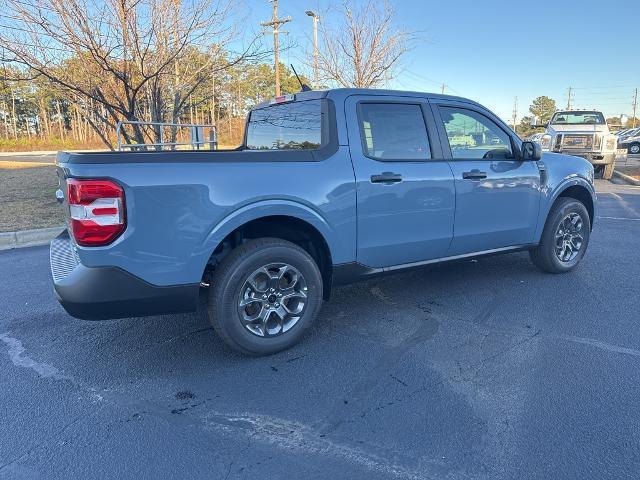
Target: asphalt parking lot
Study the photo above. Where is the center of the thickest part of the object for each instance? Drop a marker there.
(484, 369)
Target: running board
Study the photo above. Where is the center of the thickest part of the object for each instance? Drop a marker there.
(346, 273)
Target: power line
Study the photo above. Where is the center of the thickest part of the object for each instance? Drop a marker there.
(431, 80)
(604, 87)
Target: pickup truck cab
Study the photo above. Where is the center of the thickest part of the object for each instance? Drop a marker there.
(328, 187)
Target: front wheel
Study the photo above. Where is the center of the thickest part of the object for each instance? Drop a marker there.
(264, 296)
(565, 237)
(634, 148)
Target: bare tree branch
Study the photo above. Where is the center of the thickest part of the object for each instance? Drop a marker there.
(364, 48)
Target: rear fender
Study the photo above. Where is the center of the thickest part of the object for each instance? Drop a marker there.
(262, 209)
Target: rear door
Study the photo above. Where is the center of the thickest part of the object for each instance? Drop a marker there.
(497, 194)
(405, 189)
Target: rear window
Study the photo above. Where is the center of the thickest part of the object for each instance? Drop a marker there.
(288, 126)
(394, 131)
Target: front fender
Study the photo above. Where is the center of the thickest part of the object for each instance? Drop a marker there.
(551, 193)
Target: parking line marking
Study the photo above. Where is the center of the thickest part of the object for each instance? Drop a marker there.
(620, 218)
(614, 194)
(602, 345)
(16, 354)
(299, 437)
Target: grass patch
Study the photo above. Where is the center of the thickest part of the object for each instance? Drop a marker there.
(33, 144)
(27, 196)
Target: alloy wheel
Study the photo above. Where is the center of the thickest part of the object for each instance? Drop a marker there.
(272, 299)
(569, 238)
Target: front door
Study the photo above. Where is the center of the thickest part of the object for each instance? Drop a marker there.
(497, 193)
(405, 189)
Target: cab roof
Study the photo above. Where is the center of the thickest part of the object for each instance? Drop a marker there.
(342, 93)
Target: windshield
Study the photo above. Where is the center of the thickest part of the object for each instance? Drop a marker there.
(577, 118)
(288, 126)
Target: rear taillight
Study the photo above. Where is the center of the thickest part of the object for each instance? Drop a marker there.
(97, 211)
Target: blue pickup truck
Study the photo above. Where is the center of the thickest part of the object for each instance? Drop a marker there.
(328, 187)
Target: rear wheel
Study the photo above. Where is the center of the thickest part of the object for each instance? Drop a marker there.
(264, 296)
(634, 148)
(565, 237)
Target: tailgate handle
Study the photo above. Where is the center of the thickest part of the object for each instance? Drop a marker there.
(474, 175)
(386, 178)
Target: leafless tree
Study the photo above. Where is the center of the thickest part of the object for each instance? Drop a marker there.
(364, 47)
(128, 57)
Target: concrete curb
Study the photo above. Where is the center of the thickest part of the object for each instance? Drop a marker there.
(28, 238)
(626, 178)
(35, 153)
(40, 153)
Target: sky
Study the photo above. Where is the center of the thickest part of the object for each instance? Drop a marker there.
(492, 50)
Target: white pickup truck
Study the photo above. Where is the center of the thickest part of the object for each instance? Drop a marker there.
(583, 133)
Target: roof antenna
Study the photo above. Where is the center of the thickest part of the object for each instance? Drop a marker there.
(303, 86)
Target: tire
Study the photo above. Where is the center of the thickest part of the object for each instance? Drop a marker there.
(544, 256)
(634, 148)
(284, 278)
(607, 173)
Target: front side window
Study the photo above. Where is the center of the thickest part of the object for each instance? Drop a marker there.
(472, 135)
(393, 132)
(288, 126)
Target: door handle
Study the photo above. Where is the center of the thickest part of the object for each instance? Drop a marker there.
(474, 175)
(386, 178)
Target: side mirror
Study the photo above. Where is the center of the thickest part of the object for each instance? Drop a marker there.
(534, 123)
(531, 151)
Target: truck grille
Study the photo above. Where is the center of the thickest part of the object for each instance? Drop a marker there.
(63, 257)
(577, 142)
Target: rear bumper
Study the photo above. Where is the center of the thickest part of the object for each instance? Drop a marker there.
(99, 293)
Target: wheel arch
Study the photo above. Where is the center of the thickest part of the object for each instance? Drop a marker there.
(287, 220)
(580, 193)
(577, 188)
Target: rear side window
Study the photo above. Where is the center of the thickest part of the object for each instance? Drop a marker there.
(393, 131)
(289, 126)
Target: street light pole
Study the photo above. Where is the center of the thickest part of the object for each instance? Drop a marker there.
(635, 105)
(315, 18)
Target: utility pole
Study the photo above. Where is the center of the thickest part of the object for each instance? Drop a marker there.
(275, 24)
(315, 18)
(515, 112)
(442, 91)
(635, 104)
(569, 100)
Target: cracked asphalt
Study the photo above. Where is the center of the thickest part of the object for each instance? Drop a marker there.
(484, 369)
